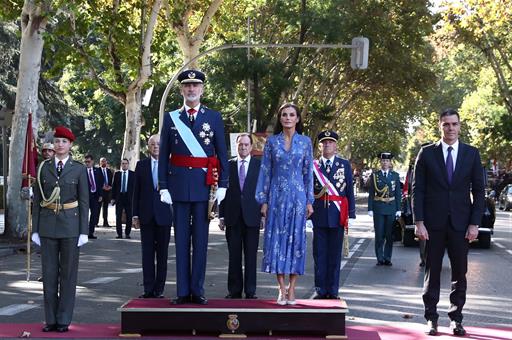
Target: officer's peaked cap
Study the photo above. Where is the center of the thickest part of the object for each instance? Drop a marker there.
(191, 76)
(385, 155)
(327, 135)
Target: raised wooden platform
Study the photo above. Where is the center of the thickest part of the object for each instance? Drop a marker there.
(235, 318)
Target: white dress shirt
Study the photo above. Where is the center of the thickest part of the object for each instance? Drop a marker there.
(455, 151)
(195, 108)
(63, 161)
(239, 163)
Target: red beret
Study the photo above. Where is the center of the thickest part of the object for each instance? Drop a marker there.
(64, 132)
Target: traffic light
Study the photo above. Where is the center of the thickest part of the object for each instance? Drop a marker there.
(359, 57)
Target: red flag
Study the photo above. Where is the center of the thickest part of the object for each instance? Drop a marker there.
(30, 155)
(405, 189)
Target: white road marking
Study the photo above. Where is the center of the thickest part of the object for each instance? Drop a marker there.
(499, 245)
(106, 279)
(509, 251)
(15, 309)
(130, 271)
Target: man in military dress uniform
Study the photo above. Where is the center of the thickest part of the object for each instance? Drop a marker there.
(61, 208)
(192, 152)
(47, 150)
(384, 204)
(334, 205)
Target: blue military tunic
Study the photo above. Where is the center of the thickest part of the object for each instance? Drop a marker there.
(190, 193)
(327, 230)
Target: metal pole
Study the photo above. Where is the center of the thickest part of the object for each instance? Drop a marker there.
(233, 46)
(248, 77)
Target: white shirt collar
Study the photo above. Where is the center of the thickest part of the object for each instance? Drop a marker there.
(64, 161)
(195, 108)
(445, 146)
(324, 160)
(246, 159)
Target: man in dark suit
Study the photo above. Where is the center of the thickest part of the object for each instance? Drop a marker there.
(95, 180)
(122, 194)
(334, 205)
(154, 220)
(448, 203)
(240, 216)
(60, 228)
(192, 151)
(384, 205)
(108, 179)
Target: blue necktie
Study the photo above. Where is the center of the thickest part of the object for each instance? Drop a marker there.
(449, 165)
(123, 182)
(154, 173)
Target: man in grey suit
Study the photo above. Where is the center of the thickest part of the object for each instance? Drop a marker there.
(448, 203)
(61, 208)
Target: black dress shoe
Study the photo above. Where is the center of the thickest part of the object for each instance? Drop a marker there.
(380, 263)
(333, 297)
(431, 328)
(319, 296)
(92, 237)
(158, 295)
(119, 236)
(180, 300)
(49, 328)
(250, 296)
(62, 328)
(128, 237)
(146, 296)
(200, 300)
(233, 296)
(457, 328)
(388, 263)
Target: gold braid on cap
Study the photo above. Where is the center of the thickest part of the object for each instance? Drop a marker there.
(55, 195)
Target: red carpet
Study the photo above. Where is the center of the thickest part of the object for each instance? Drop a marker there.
(111, 331)
(236, 303)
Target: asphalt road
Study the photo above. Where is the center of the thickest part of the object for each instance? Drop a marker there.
(110, 274)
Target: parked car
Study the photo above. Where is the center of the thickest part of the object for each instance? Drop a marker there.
(505, 199)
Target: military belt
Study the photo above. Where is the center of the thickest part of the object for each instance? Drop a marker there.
(56, 207)
(384, 199)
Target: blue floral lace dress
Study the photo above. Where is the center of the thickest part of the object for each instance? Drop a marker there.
(285, 183)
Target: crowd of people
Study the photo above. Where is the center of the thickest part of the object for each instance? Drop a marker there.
(187, 171)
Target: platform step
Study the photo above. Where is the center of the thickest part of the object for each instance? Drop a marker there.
(235, 318)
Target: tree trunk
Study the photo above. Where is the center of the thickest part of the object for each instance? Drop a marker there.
(33, 23)
(133, 113)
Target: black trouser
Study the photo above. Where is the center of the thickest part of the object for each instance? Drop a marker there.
(123, 203)
(155, 244)
(94, 207)
(457, 246)
(104, 207)
(240, 238)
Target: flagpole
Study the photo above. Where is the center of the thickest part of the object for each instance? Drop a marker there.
(29, 228)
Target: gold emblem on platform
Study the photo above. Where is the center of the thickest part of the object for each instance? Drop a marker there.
(233, 322)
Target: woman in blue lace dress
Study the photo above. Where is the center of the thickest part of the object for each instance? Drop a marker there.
(285, 190)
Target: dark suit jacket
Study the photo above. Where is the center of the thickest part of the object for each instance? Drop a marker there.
(116, 186)
(146, 202)
(110, 176)
(98, 179)
(434, 200)
(242, 201)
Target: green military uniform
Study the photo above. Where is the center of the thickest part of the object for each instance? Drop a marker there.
(384, 200)
(59, 224)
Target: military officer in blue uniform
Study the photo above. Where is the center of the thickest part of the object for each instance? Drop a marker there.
(384, 200)
(334, 205)
(193, 157)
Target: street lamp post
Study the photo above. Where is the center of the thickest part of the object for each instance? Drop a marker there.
(359, 47)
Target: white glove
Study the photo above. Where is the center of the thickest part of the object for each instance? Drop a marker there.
(398, 214)
(370, 213)
(35, 238)
(165, 196)
(220, 195)
(350, 222)
(309, 224)
(31, 192)
(82, 239)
